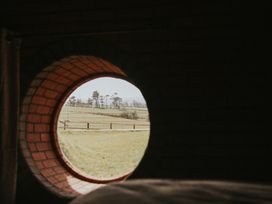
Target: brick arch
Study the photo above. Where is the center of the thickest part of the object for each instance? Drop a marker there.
(37, 121)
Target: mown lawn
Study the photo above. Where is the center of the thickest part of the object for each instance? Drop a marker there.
(103, 154)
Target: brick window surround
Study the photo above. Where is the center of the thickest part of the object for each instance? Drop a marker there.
(43, 101)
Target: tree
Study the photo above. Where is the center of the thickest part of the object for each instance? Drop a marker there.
(90, 101)
(112, 99)
(79, 102)
(72, 101)
(101, 101)
(116, 101)
(125, 104)
(106, 102)
(95, 97)
(138, 104)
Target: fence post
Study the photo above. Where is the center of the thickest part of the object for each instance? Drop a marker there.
(88, 125)
(110, 125)
(134, 126)
(64, 124)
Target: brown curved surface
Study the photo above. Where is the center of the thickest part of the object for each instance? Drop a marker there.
(183, 192)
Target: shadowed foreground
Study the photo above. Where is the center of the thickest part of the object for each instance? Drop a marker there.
(183, 192)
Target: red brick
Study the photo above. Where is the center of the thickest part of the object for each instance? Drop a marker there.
(32, 147)
(72, 74)
(33, 137)
(30, 162)
(31, 91)
(43, 110)
(34, 118)
(25, 109)
(62, 184)
(50, 102)
(35, 83)
(109, 65)
(60, 177)
(49, 84)
(43, 146)
(83, 67)
(62, 71)
(64, 81)
(59, 170)
(49, 68)
(29, 127)
(50, 163)
(27, 154)
(52, 179)
(92, 62)
(41, 128)
(73, 77)
(39, 165)
(45, 137)
(73, 59)
(97, 60)
(27, 100)
(79, 72)
(40, 177)
(22, 135)
(42, 74)
(70, 191)
(38, 156)
(50, 155)
(104, 67)
(33, 108)
(47, 172)
(53, 76)
(23, 145)
(51, 94)
(22, 126)
(79, 64)
(40, 91)
(60, 88)
(67, 65)
(23, 117)
(93, 67)
(45, 119)
(38, 100)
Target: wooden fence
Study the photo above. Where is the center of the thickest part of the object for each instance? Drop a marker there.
(68, 125)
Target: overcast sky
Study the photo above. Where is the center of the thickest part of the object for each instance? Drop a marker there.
(109, 85)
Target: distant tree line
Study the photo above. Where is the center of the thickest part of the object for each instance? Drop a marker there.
(97, 100)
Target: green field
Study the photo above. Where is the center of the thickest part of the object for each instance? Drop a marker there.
(102, 152)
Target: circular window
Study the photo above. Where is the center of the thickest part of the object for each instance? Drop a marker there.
(54, 144)
(102, 129)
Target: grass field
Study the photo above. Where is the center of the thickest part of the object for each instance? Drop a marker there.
(102, 152)
(78, 117)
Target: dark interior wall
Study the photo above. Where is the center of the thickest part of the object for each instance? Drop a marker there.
(200, 66)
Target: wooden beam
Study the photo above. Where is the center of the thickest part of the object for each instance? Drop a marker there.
(9, 117)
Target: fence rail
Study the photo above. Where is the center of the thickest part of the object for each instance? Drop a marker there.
(68, 125)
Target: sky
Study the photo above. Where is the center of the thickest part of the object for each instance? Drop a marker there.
(109, 85)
